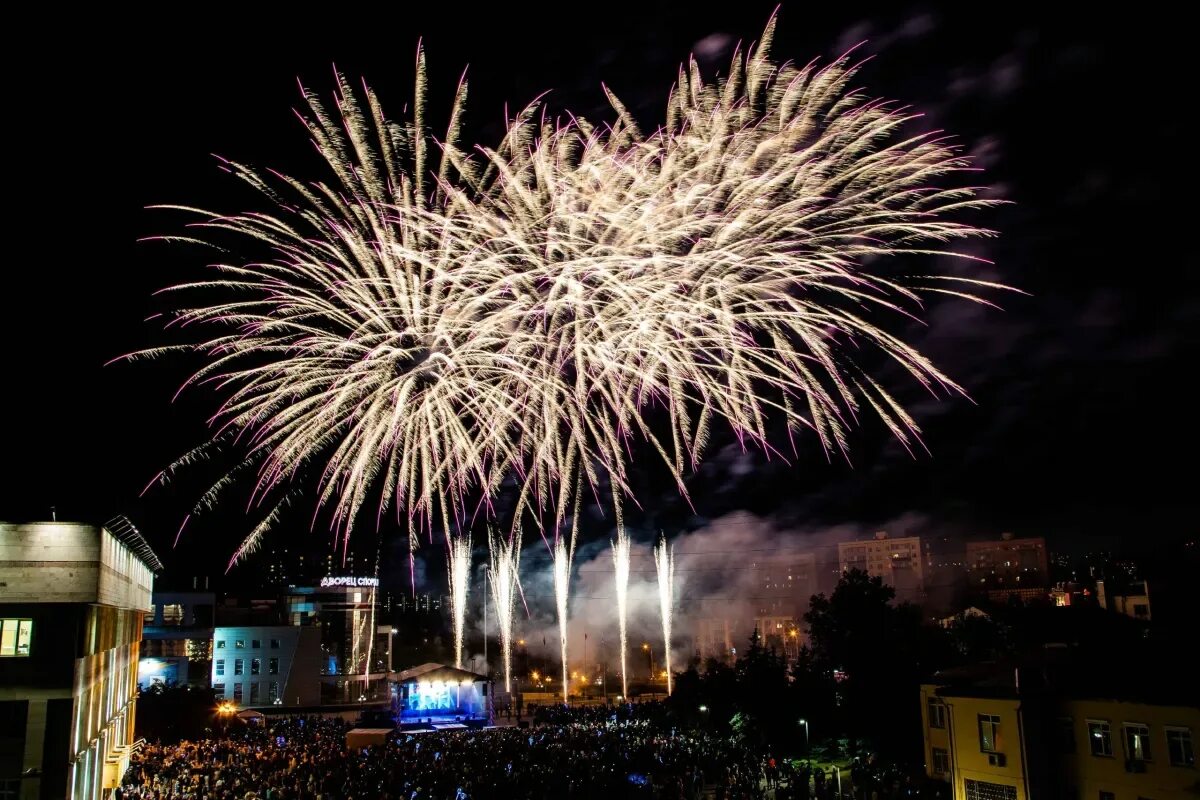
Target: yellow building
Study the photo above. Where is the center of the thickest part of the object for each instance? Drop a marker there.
(991, 742)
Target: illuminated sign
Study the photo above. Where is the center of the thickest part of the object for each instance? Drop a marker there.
(347, 580)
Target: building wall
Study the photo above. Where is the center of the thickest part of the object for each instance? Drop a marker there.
(969, 762)
(86, 592)
(1008, 563)
(299, 673)
(1042, 761)
(891, 559)
(1091, 774)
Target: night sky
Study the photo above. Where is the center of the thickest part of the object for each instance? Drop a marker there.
(1083, 421)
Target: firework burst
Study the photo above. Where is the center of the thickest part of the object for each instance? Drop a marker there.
(620, 552)
(505, 555)
(416, 334)
(458, 568)
(664, 564)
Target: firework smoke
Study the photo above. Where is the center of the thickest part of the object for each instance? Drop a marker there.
(505, 563)
(620, 554)
(664, 563)
(459, 569)
(562, 582)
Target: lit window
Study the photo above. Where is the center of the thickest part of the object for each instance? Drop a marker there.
(989, 732)
(16, 635)
(220, 644)
(1100, 737)
(172, 614)
(1137, 742)
(240, 644)
(1179, 747)
(937, 713)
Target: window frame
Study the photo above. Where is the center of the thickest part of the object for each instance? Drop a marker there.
(219, 667)
(994, 721)
(17, 624)
(1143, 731)
(934, 753)
(239, 666)
(1092, 739)
(932, 703)
(1184, 731)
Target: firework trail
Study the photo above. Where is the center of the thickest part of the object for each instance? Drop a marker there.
(505, 563)
(409, 336)
(620, 549)
(459, 569)
(562, 581)
(664, 563)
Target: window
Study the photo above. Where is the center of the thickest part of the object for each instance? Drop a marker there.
(237, 692)
(274, 644)
(983, 790)
(255, 666)
(1137, 741)
(255, 644)
(220, 666)
(1066, 735)
(16, 635)
(273, 666)
(937, 713)
(273, 691)
(941, 761)
(10, 788)
(172, 614)
(1141, 610)
(220, 644)
(239, 666)
(254, 693)
(1100, 738)
(219, 689)
(989, 730)
(240, 644)
(1179, 747)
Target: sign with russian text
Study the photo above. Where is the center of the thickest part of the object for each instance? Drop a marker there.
(348, 580)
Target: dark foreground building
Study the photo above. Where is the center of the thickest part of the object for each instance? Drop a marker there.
(72, 601)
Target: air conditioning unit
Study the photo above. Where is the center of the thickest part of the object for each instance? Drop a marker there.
(1135, 765)
(997, 760)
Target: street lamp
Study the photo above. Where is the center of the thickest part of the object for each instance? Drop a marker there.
(804, 722)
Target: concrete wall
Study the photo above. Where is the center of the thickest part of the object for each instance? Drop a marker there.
(67, 562)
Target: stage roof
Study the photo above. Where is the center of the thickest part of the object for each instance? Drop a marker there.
(434, 672)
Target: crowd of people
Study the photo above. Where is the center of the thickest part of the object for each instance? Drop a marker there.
(622, 752)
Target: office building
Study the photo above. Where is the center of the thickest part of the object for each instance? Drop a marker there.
(72, 602)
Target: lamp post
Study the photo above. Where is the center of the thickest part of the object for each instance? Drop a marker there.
(804, 722)
(649, 657)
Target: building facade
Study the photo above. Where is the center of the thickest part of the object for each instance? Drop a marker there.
(177, 639)
(1008, 564)
(72, 602)
(262, 665)
(899, 561)
(990, 742)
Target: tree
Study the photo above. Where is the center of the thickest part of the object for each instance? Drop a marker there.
(875, 653)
